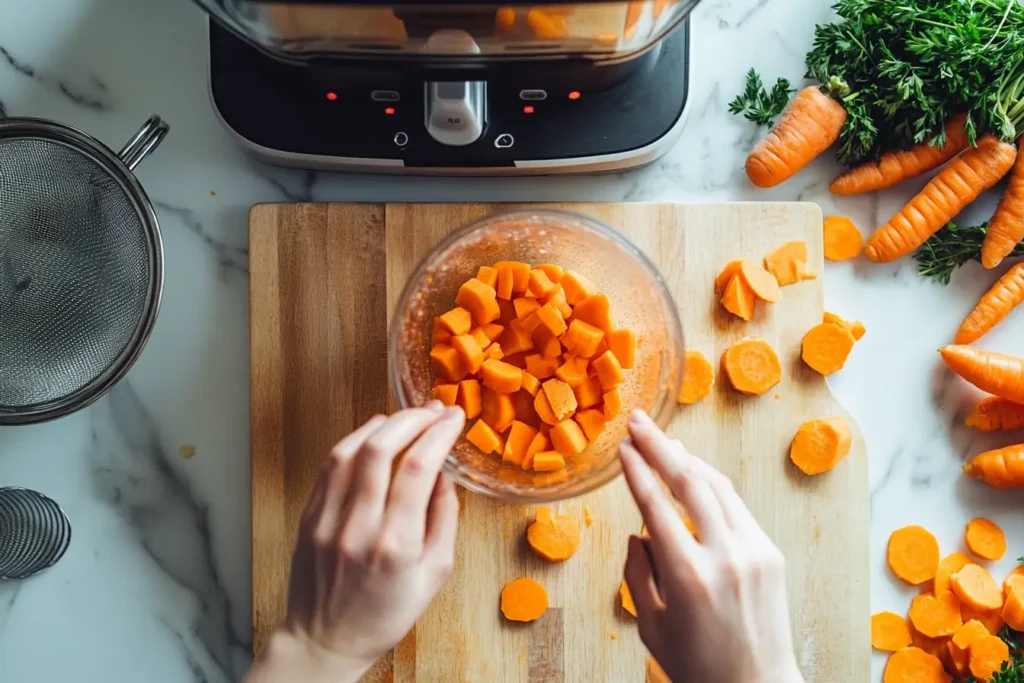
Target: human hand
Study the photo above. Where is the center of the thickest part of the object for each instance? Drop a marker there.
(372, 550)
(713, 610)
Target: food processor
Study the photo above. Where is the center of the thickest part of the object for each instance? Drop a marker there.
(461, 88)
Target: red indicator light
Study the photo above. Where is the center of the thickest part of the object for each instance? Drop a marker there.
(574, 95)
(390, 111)
(527, 109)
(332, 96)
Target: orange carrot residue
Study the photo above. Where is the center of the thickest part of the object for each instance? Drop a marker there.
(820, 444)
(913, 554)
(842, 239)
(587, 517)
(752, 366)
(826, 347)
(993, 306)
(627, 598)
(889, 632)
(976, 587)
(698, 378)
(523, 600)
(1002, 468)
(554, 538)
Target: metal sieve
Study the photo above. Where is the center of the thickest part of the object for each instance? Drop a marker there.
(34, 533)
(81, 266)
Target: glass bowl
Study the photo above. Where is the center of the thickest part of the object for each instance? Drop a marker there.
(640, 301)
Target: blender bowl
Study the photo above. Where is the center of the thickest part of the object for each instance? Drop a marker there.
(640, 301)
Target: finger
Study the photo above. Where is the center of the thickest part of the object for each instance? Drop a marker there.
(667, 531)
(666, 457)
(413, 484)
(736, 512)
(371, 473)
(442, 521)
(335, 478)
(640, 578)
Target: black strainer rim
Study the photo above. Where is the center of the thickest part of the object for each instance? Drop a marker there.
(28, 128)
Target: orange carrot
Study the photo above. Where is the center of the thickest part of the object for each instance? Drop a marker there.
(987, 655)
(1013, 608)
(633, 11)
(976, 587)
(990, 618)
(447, 363)
(960, 644)
(1014, 573)
(1002, 468)
(826, 347)
(596, 310)
(956, 186)
(752, 366)
(573, 372)
(936, 647)
(546, 342)
(497, 410)
(523, 600)
(548, 461)
(994, 305)
(935, 615)
(898, 165)
(842, 239)
(739, 299)
(541, 367)
(546, 26)
(612, 404)
(592, 423)
(588, 394)
(820, 444)
(488, 275)
(856, 327)
(469, 351)
(914, 665)
(505, 19)
(655, 674)
(516, 339)
(524, 306)
(446, 393)
(948, 566)
(531, 384)
(554, 273)
(582, 338)
(520, 436)
(985, 539)
(608, 369)
(483, 437)
(732, 268)
(577, 287)
(913, 554)
(627, 598)
(539, 444)
(540, 284)
(543, 408)
(480, 337)
(567, 438)
(786, 261)
(480, 300)
(622, 343)
(698, 378)
(889, 632)
(457, 321)
(470, 398)
(441, 333)
(501, 377)
(552, 319)
(554, 538)
(761, 282)
(993, 413)
(557, 299)
(808, 126)
(1006, 227)
(560, 397)
(992, 372)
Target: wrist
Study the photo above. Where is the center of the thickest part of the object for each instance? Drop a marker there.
(291, 655)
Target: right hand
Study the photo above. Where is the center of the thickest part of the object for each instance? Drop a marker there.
(713, 610)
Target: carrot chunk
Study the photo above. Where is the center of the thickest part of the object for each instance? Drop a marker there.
(480, 300)
(994, 413)
(731, 270)
(985, 539)
(532, 322)
(480, 337)
(531, 384)
(501, 377)
(539, 444)
(596, 309)
(842, 238)
(582, 338)
(560, 397)
(573, 372)
(826, 347)
(447, 363)
(516, 339)
(507, 312)
(592, 423)
(446, 393)
(739, 299)
(497, 410)
(889, 632)
(441, 333)
(856, 328)
(519, 438)
(612, 404)
(540, 284)
(760, 281)
(554, 538)
(523, 600)
(820, 444)
(986, 657)
(540, 367)
(548, 461)
(913, 554)
(752, 366)
(698, 378)
(914, 665)
(483, 437)
(626, 598)
(567, 438)
(992, 619)
(494, 351)
(524, 307)
(492, 331)
(546, 342)
(784, 262)
(976, 587)
(1013, 607)
(552, 319)
(554, 273)
(935, 615)
(622, 343)
(557, 299)
(960, 643)
(520, 277)
(505, 280)
(948, 566)
(489, 276)
(588, 394)
(470, 398)
(469, 351)
(577, 287)
(608, 370)
(543, 408)
(457, 321)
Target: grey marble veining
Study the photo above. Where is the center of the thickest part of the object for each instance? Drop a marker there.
(156, 584)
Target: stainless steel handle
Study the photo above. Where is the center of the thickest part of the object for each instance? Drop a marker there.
(149, 137)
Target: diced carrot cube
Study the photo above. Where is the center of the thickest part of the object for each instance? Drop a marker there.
(548, 461)
(573, 372)
(623, 344)
(522, 401)
(540, 284)
(588, 394)
(539, 444)
(583, 338)
(552, 318)
(441, 333)
(482, 340)
(541, 367)
(470, 352)
(479, 299)
(447, 363)
(557, 298)
(516, 360)
(531, 322)
(483, 437)
(524, 306)
(497, 410)
(543, 408)
(577, 287)
(531, 384)
(501, 377)
(505, 280)
(516, 339)
(612, 404)
(506, 311)
(553, 272)
(545, 341)
(469, 398)
(520, 277)
(494, 351)
(492, 330)
(591, 422)
(446, 393)
(609, 372)
(519, 439)
(596, 310)
(488, 276)
(560, 398)
(457, 321)
(567, 438)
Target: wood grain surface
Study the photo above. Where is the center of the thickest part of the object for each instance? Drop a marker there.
(323, 281)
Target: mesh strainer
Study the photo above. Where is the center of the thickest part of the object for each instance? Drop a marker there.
(81, 266)
(34, 533)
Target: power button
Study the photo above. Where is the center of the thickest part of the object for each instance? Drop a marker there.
(401, 139)
(504, 141)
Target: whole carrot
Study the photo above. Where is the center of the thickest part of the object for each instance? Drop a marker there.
(995, 373)
(1006, 228)
(956, 186)
(808, 126)
(898, 165)
(1006, 294)
(1002, 468)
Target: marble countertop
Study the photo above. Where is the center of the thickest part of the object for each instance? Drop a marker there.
(155, 585)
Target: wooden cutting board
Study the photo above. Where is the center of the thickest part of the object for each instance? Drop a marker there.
(324, 278)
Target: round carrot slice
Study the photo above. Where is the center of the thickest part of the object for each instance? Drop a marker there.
(949, 565)
(752, 366)
(985, 539)
(826, 346)
(820, 444)
(763, 283)
(1016, 571)
(935, 615)
(523, 600)
(913, 665)
(842, 238)
(987, 656)
(913, 554)
(698, 378)
(553, 537)
(976, 587)
(889, 632)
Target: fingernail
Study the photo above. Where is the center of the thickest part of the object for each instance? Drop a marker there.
(639, 418)
(435, 407)
(452, 413)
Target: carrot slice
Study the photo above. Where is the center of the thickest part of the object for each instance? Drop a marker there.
(531, 384)
(985, 539)
(948, 566)
(936, 647)
(560, 397)
(826, 347)
(622, 343)
(516, 338)
(483, 437)
(889, 632)
(842, 238)
(914, 665)
(441, 333)
(567, 438)
(543, 408)
(577, 287)
(913, 554)
(732, 269)
(539, 444)
(553, 272)
(523, 600)
(760, 281)
(992, 619)
(497, 410)
(447, 363)
(1013, 607)
(961, 641)
(820, 444)
(573, 372)
(541, 367)
(457, 321)
(548, 461)
(480, 300)
(557, 299)
(546, 342)
(986, 657)
(551, 317)
(1016, 571)
(501, 377)
(783, 262)
(626, 598)
(698, 378)
(994, 413)
(480, 337)
(469, 351)
(470, 398)
(554, 538)
(609, 372)
(494, 351)
(505, 280)
(446, 393)
(935, 615)
(524, 306)
(582, 338)
(752, 366)
(591, 422)
(489, 276)
(540, 285)
(588, 394)
(596, 309)
(492, 331)
(739, 299)
(856, 328)
(976, 587)
(520, 436)
(612, 404)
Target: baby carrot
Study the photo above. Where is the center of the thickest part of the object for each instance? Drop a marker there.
(993, 413)
(995, 373)
(1002, 468)
(994, 305)
(1006, 227)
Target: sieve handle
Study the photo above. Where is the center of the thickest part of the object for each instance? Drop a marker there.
(152, 133)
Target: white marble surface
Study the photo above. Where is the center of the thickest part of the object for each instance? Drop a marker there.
(155, 586)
